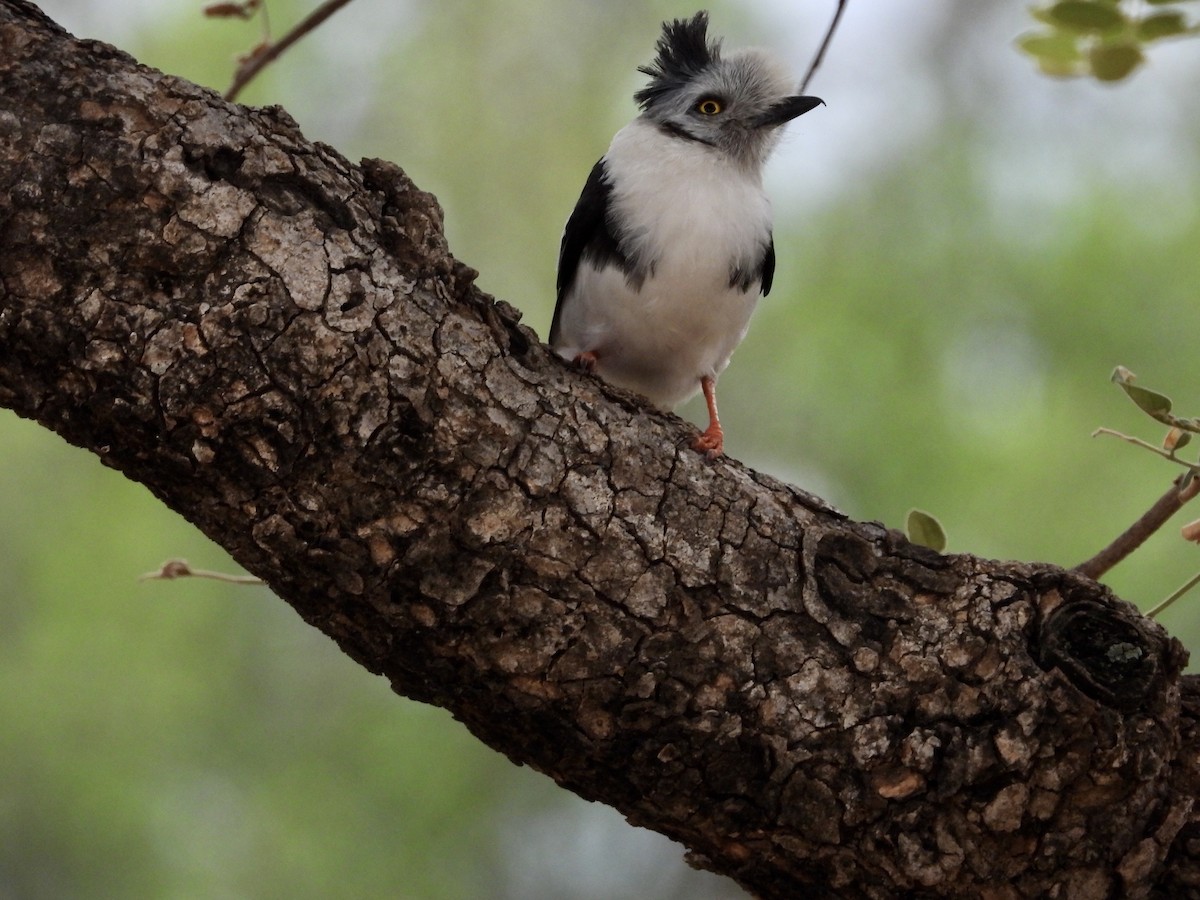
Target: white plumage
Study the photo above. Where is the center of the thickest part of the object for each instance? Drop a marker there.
(687, 215)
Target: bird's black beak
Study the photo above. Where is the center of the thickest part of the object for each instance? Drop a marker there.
(786, 110)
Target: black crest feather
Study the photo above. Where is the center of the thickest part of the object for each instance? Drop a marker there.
(683, 53)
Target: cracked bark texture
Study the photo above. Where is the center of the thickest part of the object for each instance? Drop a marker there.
(280, 346)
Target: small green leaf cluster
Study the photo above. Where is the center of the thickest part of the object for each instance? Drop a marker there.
(1103, 39)
(1179, 434)
(1158, 407)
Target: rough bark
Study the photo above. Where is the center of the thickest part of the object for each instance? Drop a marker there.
(281, 347)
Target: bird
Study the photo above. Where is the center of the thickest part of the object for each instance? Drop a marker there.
(670, 244)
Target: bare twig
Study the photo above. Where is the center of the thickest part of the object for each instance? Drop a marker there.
(1134, 536)
(1168, 455)
(266, 53)
(179, 568)
(1191, 583)
(824, 46)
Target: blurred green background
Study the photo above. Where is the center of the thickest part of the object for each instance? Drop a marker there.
(966, 250)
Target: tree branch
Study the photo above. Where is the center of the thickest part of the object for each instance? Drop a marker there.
(1139, 532)
(267, 53)
(280, 346)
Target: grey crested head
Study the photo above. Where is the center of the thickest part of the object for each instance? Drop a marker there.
(733, 103)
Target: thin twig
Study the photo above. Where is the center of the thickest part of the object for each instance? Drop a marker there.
(1191, 583)
(824, 46)
(266, 54)
(1137, 533)
(1168, 455)
(179, 568)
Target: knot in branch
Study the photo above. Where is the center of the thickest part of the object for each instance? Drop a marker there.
(1106, 652)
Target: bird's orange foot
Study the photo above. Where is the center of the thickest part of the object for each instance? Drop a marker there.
(710, 442)
(585, 361)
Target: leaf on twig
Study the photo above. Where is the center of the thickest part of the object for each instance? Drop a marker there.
(1150, 402)
(1106, 39)
(1154, 404)
(244, 10)
(924, 529)
(1084, 16)
(1112, 62)
(1162, 25)
(1057, 52)
(1191, 531)
(1176, 439)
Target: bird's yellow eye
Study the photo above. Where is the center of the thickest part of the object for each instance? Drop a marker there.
(709, 106)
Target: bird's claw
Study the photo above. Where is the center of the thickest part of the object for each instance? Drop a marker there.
(710, 442)
(585, 361)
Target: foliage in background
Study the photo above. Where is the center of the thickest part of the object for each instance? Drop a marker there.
(1104, 39)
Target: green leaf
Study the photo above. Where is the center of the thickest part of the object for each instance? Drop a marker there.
(1114, 61)
(1087, 17)
(1042, 14)
(1150, 402)
(1056, 47)
(924, 529)
(1161, 25)
(1060, 69)
(1057, 53)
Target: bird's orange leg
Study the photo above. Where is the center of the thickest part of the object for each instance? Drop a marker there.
(711, 441)
(585, 361)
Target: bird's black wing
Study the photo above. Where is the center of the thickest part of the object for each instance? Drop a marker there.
(588, 234)
(761, 273)
(766, 273)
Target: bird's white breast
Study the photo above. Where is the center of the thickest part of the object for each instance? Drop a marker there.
(686, 217)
